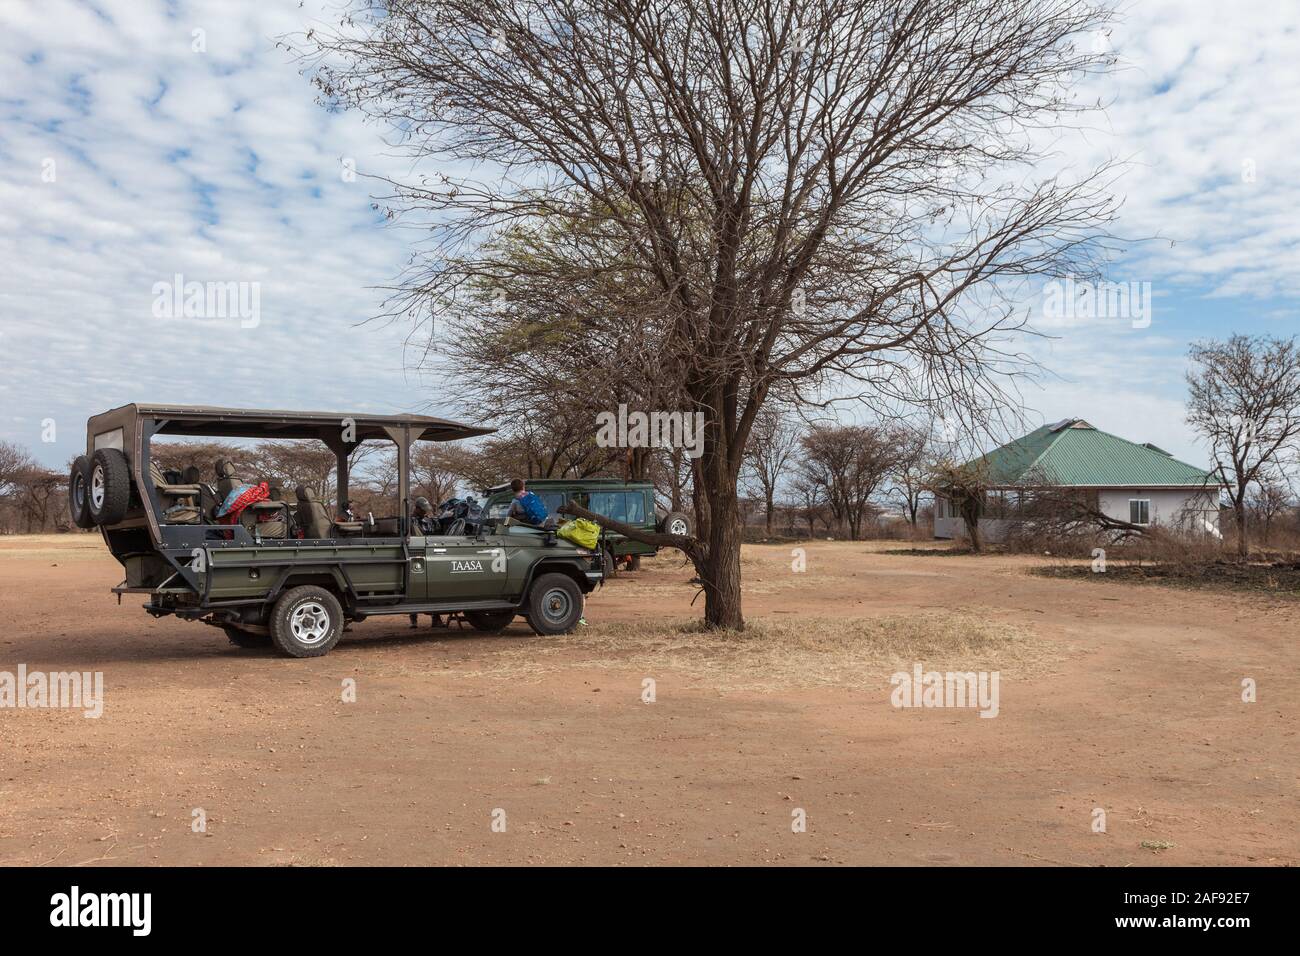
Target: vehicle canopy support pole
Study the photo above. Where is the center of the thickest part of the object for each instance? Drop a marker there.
(401, 436)
(335, 442)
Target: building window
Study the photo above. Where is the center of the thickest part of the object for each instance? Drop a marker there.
(1139, 511)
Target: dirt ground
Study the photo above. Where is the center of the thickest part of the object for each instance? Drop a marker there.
(1122, 698)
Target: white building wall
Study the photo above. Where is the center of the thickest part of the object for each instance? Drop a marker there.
(1174, 508)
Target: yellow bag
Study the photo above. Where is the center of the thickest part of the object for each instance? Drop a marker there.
(583, 533)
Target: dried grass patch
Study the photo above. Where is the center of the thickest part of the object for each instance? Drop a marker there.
(799, 652)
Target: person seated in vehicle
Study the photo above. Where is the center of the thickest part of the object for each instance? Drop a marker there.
(423, 520)
(526, 506)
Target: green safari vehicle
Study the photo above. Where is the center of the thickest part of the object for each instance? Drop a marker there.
(629, 502)
(269, 567)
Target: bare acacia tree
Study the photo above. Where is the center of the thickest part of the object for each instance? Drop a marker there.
(847, 463)
(801, 193)
(965, 486)
(772, 444)
(914, 455)
(14, 460)
(1271, 499)
(1244, 398)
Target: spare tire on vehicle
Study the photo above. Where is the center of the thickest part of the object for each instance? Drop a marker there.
(109, 486)
(675, 523)
(79, 493)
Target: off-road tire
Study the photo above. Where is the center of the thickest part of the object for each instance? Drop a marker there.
(608, 563)
(307, 621)
(109, 486)
(79, 493)
(675, 518)
(492, 622)
(246, 639)
(554, 604)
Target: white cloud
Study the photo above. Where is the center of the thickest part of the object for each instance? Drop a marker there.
(220, 166)
(216, 165)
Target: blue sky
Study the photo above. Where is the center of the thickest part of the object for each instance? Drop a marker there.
(127, 157)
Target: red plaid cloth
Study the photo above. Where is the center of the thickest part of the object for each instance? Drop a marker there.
(254, 494)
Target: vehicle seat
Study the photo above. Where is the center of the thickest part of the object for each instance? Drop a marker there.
(226, 480)
(207, 496)
(180, 502)
(312, 517)
(384, 528)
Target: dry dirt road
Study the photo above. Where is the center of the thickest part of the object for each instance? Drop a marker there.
(1115, 697)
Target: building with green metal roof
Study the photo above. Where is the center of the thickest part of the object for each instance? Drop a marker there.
(1135, 482)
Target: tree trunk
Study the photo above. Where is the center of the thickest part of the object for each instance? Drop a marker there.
(699, 500)
(1239, 509)
(769, 512)
(721, 571)
(970, 515)
(677, 480)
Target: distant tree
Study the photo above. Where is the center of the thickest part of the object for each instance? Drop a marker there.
(965, 487)
(14, 460)
(291, 463)
(178, 454)
(808, 503)
(40, 498)
(914, 455)
(847, 463)
(1244, 398)
(1271, 498)
(772, 446)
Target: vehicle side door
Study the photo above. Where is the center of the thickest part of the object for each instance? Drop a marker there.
(464, 567)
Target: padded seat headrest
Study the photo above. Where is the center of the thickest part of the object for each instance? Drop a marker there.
(225, 468)
(191, 475)
(305, 493)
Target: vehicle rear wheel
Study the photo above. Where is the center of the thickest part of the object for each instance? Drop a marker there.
(675, 523)
(109, 486)
(493, 622)
(307, 622)
(554, 604)
(246, 639)
(79, 493)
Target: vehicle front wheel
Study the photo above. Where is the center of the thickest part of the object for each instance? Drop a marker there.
(493, 622)
(554, 605)
(307, 622)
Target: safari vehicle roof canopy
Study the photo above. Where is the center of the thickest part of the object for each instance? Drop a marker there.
(214, 422)
(130, 428)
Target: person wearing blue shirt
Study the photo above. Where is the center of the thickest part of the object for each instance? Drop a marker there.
(526, 506)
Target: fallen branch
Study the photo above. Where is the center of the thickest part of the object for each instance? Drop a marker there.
(689, 545)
